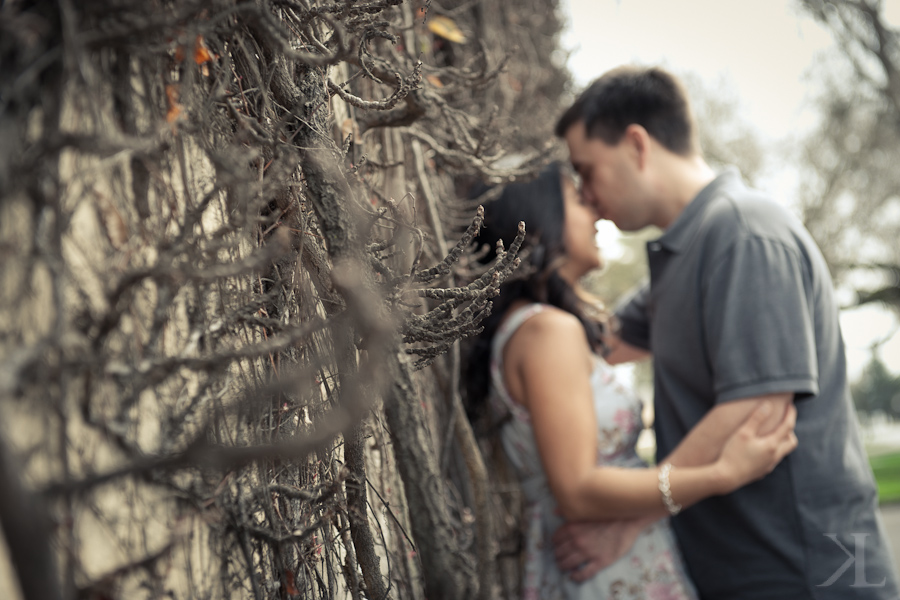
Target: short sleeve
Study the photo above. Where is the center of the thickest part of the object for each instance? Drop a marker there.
(757, 321)
(634, 320)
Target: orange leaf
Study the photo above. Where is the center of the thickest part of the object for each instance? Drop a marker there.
(435, 81)
(173, 113)
(201, 52)
(290, 586)
(175, 107)
(446, 28)
(116, 228)
(514, 83)
(350, 126)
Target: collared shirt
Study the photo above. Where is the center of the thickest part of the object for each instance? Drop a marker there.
(740, 304)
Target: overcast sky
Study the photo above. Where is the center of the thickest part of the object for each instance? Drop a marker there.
(762, 49)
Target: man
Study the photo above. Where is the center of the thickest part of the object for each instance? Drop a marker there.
(739, 309)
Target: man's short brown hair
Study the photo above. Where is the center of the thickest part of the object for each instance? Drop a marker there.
(649, 97)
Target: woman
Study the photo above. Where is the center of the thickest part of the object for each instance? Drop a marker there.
(571, 428)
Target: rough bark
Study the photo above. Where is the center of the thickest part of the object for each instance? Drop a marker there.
(212, 268)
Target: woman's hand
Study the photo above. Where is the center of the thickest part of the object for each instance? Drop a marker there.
(748, 455)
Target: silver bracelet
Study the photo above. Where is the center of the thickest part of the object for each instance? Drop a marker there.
(666, 489)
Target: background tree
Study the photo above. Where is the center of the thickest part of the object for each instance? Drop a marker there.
(235, 266)
(877, 391)
(850, 186)
(726, 138)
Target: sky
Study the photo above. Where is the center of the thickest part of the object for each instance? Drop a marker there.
(762, 50)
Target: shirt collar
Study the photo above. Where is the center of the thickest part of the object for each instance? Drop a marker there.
(677, 237)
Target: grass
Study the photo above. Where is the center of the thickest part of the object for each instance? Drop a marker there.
(887, 475)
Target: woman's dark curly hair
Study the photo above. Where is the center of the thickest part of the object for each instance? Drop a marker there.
(540, 204)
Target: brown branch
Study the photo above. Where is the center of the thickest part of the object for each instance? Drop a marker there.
(462, 429)
(25, 526)
(100, 584)
(357, 503)
(404, 87)
(483, 166)
(158, 369)
(211, 456)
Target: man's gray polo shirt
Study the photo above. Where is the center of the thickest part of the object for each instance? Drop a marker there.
(740, 304)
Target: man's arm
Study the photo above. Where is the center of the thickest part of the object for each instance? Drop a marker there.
(705, 441)
(628, 335)
(620, 351)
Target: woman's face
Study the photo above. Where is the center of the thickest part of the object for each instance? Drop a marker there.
(579, 235)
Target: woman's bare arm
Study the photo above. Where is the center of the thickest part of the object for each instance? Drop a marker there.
(547, 367)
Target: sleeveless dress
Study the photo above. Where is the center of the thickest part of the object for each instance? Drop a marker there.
(653, 568)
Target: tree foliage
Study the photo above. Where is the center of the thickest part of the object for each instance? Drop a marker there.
(877, 390)
(235, 263)
(727, 140)
(850, 187)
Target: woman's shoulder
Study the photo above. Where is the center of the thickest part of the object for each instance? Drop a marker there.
(550, 342)
(537, 317)
(545, 325)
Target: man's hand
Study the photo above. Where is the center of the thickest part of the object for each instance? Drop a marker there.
(583, 548)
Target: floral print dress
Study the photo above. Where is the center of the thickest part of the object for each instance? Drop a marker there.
(653, 568)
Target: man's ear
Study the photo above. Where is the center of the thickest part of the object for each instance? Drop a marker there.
(638, 141)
